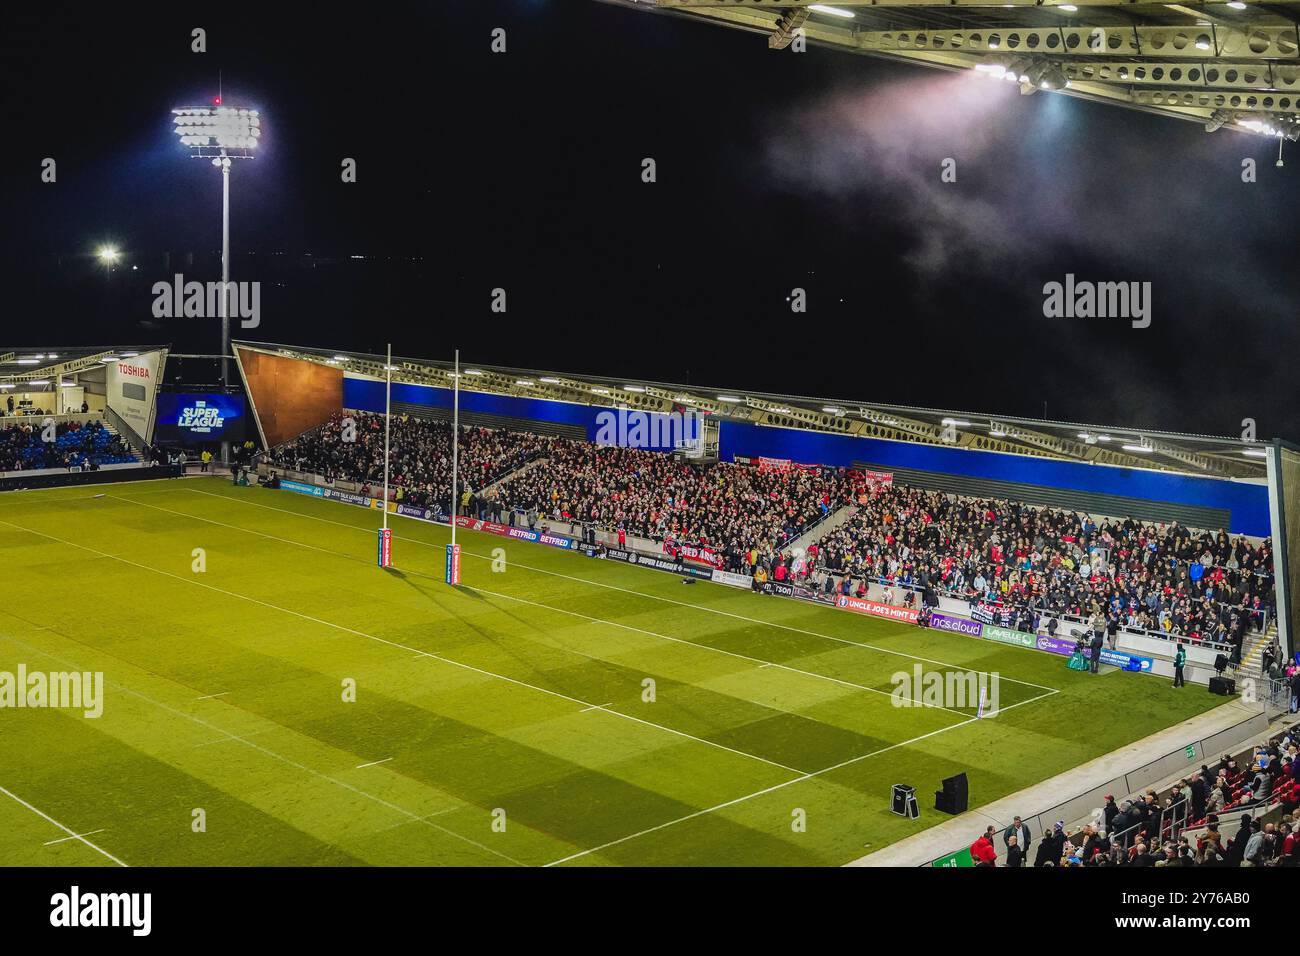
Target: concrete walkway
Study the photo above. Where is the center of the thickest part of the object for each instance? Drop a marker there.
(959, 831)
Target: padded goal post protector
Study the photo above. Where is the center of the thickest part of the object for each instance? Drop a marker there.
(453, 564)
(385, 554)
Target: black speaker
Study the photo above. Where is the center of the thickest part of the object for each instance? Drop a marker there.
(954, 795)
(903, 801)
(1223, 685)
(1221, 663)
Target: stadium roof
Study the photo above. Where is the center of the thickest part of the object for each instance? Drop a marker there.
(1204, 455)
(1233, 65)
(19, 366)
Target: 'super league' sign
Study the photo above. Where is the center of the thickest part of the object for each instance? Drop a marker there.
(200, 417)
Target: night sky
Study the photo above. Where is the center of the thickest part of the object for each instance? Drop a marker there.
(523, 171)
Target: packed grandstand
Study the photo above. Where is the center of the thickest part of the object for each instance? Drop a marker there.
(1202, 585)
(836, 535)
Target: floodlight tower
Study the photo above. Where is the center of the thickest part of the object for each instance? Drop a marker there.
(222, 134)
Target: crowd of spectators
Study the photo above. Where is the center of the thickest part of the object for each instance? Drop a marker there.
(1190, 826)
(27, 446)
(740, 512)
(1207, 586)
(351, 446)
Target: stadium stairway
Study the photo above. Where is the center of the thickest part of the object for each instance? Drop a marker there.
(116, 426)
(526, 466)
(1252, 658)
(821, 529)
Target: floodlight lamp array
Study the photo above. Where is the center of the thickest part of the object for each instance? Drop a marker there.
(219, 127)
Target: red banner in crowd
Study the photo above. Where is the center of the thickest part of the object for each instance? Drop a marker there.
(879, 477)
(693, 553)
(782, 464)
(774, 464)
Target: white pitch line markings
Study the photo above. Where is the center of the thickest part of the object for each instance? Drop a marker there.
(593, 583)
(558, 610)
(411, 816)
(380, 640)
(75, 836)
(50, 819)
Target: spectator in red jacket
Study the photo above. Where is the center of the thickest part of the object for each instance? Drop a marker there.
(982, 850)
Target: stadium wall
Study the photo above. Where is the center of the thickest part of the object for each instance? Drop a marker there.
(1245, 504)
(109, 474)
(290, 396)
(480, 408)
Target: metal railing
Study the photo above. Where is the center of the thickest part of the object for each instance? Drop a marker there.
(1278, 699)
(1168, 826)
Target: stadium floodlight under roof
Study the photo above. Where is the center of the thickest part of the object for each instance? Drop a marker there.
(217, 128)
(1221, 64)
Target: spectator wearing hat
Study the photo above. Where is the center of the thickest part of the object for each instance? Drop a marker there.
(1051, 847)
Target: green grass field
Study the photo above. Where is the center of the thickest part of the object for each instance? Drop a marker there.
(516, 698)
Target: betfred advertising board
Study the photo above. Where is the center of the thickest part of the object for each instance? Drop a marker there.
(519, 534)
